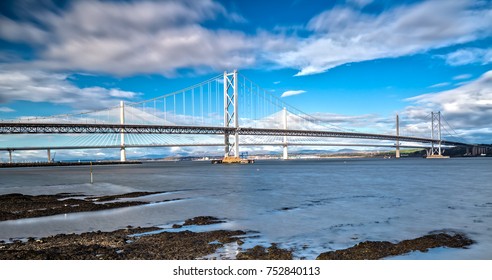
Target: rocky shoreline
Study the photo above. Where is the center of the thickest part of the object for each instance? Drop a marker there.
(19, 206)
(121, 244)
(153, 243)
(375, 250)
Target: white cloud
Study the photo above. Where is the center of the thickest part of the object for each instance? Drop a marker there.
(125, 38)
(343, 35)
(467, 108)
(292, 92)
(360, 3)
(469, 56)
(468, 98)
(361, 123)
(440, 85)
(39, 86)
(6, 110)
(21, 32)
(462, 77)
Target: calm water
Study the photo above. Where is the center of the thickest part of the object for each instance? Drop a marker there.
(310, 206)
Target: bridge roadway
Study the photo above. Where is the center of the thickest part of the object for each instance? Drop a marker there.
(203, 145)
(80, 128)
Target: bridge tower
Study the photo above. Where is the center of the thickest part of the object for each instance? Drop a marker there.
(436, 132)
(285, 149)
(122, 133)
(436, 152)
(231, 114)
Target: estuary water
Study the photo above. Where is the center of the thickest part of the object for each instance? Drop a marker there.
(310, 206)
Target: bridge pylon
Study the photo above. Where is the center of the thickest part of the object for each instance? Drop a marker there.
(285, 148)
(122, 133)
(436, 152)
(231, 113)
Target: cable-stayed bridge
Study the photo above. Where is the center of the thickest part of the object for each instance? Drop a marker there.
(228, 110)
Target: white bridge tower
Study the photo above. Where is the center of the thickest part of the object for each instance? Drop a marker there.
(231, 114)
(436, 152)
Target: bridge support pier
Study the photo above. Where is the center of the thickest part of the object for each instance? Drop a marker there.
(122, 134)
(397, 155)
(226, 145)
(479, 150)
(10, 156)
(49, 155)
(122, 154)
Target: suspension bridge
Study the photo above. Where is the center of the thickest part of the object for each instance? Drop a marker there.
(226, 111)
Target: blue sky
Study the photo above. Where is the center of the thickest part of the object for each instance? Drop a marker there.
(347, 60)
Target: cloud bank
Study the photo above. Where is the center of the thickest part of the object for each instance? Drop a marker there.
(467, 107)
(40, 86)
(344, 35)
(127, 38)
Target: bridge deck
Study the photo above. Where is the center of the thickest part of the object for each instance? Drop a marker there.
(78, 128)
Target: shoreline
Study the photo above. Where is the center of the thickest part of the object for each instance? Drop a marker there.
(200, 159)
(16, 206)
(65, 163)
(154, 243)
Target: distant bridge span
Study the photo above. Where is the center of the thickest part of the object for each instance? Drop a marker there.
(54, 128)
(203, 145)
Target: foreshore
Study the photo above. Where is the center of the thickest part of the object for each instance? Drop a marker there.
(153, 243)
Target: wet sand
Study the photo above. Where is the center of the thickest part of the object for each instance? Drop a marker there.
(153, 244)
